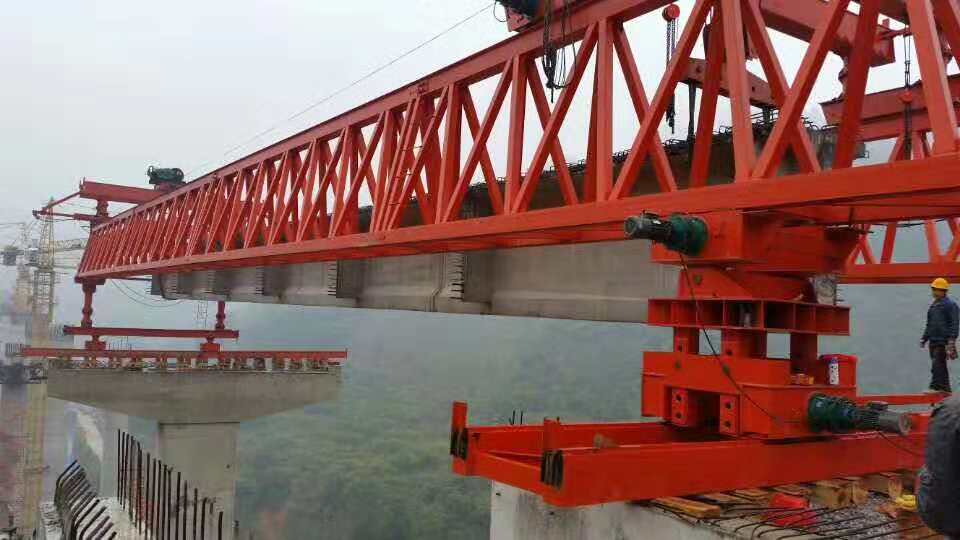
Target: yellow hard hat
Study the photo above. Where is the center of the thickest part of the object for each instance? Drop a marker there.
(940, 284)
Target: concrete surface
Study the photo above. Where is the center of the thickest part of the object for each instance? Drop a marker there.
(609, 281)
(198, 397)
(206, 456)
(519, 515)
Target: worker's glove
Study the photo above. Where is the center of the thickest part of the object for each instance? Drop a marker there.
(952, 349)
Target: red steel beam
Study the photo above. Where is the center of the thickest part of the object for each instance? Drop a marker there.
(800, 20)
(644, 461)
(98, 331)
(883, 111)
(99, 191)
(760, 93)
(330, 357)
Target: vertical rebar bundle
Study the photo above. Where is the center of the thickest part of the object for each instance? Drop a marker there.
(158, 508)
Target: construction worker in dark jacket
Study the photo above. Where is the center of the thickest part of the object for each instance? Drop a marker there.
(938, 495)
(940, 335)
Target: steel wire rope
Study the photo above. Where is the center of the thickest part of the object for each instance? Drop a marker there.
(349, 86)
(724, 368)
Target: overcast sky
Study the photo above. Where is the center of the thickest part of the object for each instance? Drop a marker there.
(104, 88)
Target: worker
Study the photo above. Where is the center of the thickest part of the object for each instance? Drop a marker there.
(938, 495)
(940, 335)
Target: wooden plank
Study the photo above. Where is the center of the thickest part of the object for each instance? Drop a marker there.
(723, 498)
(889, 484)
(689, 508)
(859, 494)
(755, 495)
(833, 494)
(794, 490)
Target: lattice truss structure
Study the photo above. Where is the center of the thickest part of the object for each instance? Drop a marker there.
(423, 158)
(298, 200)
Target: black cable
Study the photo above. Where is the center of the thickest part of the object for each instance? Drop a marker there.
(901, 448)
(505, 16)
(142, 303)
(554, 59)
(724, 368)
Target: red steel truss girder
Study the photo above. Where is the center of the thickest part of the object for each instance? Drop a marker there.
(879, 185)
(98, 331)
(199, 225)
(602, 463)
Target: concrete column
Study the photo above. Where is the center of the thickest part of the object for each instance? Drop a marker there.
(206, 455)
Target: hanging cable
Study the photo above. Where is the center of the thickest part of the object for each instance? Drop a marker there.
(554, 60)
(907, 98)
(670, 14)
(145, 304)
(724, 368)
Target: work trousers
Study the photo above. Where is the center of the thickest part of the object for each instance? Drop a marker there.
(939, 374)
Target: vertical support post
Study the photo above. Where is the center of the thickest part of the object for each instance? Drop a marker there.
(856, 84)
(603, 103)
(221, 315)
(450, 166)
(744, 150)
(88, 289)
(703, 143)
(518, 108)
(933, 72)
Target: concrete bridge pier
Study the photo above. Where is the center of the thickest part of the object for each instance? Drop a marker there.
(199, 413)
(206, 456)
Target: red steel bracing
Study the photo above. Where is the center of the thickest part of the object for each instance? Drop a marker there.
(298, 200)
(883, 118)
(732, 417)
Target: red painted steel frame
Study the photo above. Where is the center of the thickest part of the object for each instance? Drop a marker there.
(99, 331)
(297, 201)
(603, 463)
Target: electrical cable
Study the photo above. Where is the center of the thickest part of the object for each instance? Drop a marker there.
(142, 303)
(724, 368)
(505, 16)
(901, 448)
(353, 84)
(554, 59)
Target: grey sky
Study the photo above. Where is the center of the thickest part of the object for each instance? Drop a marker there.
(104, 88)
